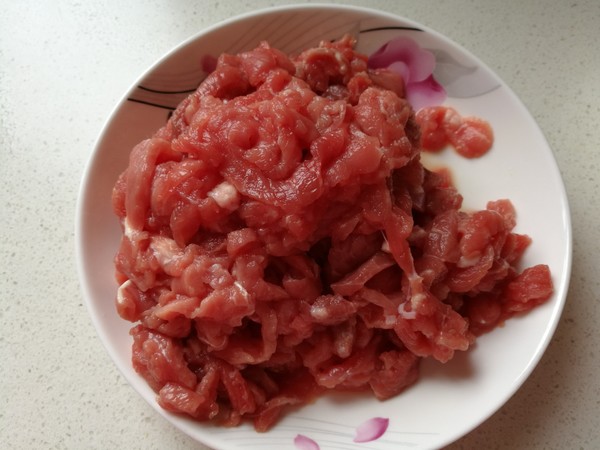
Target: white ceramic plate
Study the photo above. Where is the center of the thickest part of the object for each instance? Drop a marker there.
(449, 400)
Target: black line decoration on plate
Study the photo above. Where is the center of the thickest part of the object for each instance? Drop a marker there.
(370, 30)
(156, 105)
(157, 91)
(460, 81)
(170, 98)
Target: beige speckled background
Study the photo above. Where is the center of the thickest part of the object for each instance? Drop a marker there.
(64, 65)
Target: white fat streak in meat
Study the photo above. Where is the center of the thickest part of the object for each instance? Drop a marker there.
(120, 295)
(165, 250)
(220, 276)
(390, 321)
(133, 234)
(414, 280)
(408, 315)
(416, 295)
(242, 290)
(468, 262)
(129, 232)
(319, 312)
(385, 246)
(342, 62)
(427, 273)
(226, 195)
(452, 118)
(417, 298)
(236, 285)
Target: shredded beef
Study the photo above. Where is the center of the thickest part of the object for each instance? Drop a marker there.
(281, 237)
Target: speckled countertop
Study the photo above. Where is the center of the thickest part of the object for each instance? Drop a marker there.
(64, 65)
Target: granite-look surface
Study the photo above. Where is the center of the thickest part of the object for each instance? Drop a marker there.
(63, 67)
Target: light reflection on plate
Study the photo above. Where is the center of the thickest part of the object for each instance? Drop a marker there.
(449, 400)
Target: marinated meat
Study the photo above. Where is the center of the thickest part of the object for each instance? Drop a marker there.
(281, 238)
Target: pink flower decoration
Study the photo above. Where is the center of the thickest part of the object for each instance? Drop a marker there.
(371, 429)
(305, 443)
(405, 57)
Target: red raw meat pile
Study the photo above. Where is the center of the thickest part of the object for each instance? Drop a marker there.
(281, 238)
